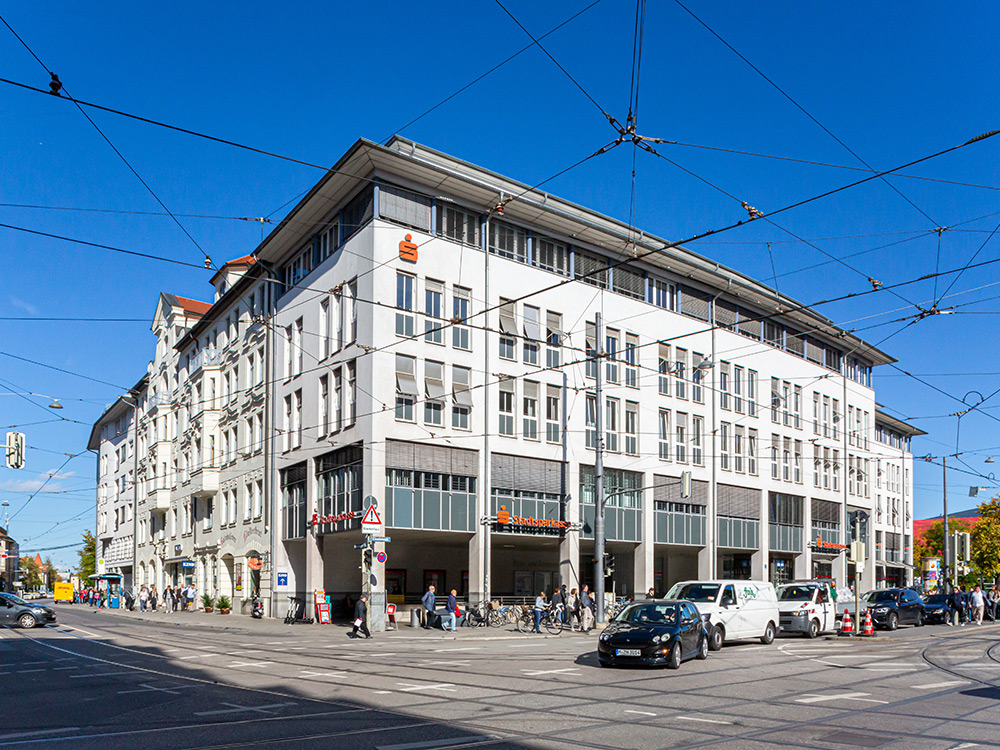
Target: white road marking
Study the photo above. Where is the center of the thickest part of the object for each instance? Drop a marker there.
(706, 721)
(538, 672)
(642, 713)
(244, 652)
(814, 698)
(297, 648)
(429, 744)
(97, 674)
(465, 648)
(977, 664)
(56, 669)
(38, 733)
(964, 745)
(410, 687)
(323, 674)
(149, 689)
(250, 663)
(168, 650)
(456, 663)
(935, 685)
(197, 656)
(74, 628)
(26, 671)
(382, 692)
(234, 708)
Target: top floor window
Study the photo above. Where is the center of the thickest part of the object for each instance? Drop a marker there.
(508, 241)
(404, 207)
(551, 255)
(457, 224)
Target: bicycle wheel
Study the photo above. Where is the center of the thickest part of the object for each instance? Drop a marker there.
(494, 619)
(553, 624)
(508, 616)
(525, 623)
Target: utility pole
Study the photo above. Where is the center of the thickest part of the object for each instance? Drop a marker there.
(599, 475)
(945, 577)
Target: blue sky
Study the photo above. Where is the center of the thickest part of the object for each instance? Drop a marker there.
(893, 82)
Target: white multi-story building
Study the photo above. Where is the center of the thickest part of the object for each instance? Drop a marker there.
(113, 441)
(437, 355)
(423, 336)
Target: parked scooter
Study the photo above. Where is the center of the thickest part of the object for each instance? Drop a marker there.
(257, 608)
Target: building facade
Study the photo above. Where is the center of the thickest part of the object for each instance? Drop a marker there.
(429, 347)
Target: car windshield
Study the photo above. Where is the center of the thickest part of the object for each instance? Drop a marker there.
(880, 596)
(937, 599)
(796, 593)
(14, 598)
(649, 614)
(695, 592)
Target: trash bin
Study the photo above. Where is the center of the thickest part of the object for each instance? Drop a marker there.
(414, 618)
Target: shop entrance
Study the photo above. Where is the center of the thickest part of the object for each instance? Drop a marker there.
(736, 566)
(782, 569)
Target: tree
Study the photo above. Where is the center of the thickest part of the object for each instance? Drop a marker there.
(31, 573)
(986, 539)
(54, 576)
(88, 557)
(931, 542)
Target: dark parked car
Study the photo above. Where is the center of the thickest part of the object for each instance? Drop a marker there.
(936, 608)
(654, 632)
(14, 609)
(891, 608)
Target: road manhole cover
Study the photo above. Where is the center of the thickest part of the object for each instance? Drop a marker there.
(857, 740)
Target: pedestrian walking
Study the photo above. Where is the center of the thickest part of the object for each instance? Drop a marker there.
(428, 604)
(453, 608)
(540, 606)
(152, 598)
(572, 607)
(168, 599)
(361, 617)
(190, 597)
(956, 606)
(978, 603)
(178, 599)
(558, 603)
(143, 598)
(992, 598)
(586, 609)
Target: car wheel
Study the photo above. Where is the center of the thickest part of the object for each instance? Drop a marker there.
(813, 631)
(716, 637)
(27, 620)
(768, 638)
(703, 648)
(920, 619)
(892, 622)
(674, 662)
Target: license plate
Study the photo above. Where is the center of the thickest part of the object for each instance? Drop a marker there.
(627, 652)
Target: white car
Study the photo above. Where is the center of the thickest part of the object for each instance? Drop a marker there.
(807, 607)
(733, 610)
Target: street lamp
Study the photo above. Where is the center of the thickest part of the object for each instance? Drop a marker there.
(54, 405)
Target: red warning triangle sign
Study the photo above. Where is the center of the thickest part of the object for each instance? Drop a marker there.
(371, 516)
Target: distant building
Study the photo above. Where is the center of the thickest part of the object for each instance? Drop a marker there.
(9, 560)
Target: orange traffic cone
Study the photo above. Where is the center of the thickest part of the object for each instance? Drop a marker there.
(847, 624)
(869, 627)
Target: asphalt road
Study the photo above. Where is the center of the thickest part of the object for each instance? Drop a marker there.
(102, 680)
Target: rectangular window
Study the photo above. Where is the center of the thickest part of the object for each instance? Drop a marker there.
(529, 402)
(739, 447)
(553, 423)
(460, 312)
(797, 473)
(611, 424)
(351, 314)
(508, 328)
(532, 334)
(297, 417)
(435, 392)
(724, 385)
(433, 297)
(337, 412)
(697, 430)
(631, 360)
(815, 413)
(611, 355)
(817, 465)
(664, 367)
(775, 400)
(506, 347)
(724, 448)
(590, 418)
(591, 350)
(551, 255)
(287, 426)
(591, 269)
(404, 207)
(404, 301)
(826, 416)
(752, 452)
(553, 338)
(297, 346)
(752, 393)
(836, 470)
(406, 387)
(508, 241)
(351, 410)
(680, 372)
(836, 419)
(664, 295)
(324, 405)
(506, 403)
(664, 435)
(786, 403)
(738, 389)
(775, 455)
(632, 428)
(680, 437)
(697, 378)
(324, 334)
(797, 407)
(457, 224)
(329, 239)
(461, 382)
(786, 460)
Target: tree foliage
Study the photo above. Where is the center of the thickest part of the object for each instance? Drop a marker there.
(88, 557)
(54, 576)
(986, 539)
(31, 574)
(931, 542)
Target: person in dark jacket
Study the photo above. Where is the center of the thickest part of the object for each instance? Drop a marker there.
(361, 617)
(651, 594)
(428, 604)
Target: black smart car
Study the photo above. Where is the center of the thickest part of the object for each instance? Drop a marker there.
(14, 609)
(891, 608)
(654, 632)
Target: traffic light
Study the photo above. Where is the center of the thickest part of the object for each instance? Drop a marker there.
(965, 545)
(15, 450)
(367, 554)
(609, 564)
(685, 484)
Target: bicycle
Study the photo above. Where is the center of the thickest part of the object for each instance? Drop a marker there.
(498, 616)
(475, 617)
(550, 620)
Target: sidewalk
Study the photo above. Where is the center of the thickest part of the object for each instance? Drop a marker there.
(276, 626)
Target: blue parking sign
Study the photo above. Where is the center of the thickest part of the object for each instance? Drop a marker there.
(282, 579)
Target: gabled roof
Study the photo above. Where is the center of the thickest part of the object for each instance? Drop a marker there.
(193, 306)
(244, 262)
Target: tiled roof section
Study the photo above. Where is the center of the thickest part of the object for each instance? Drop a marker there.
(193, 305)
(246, 260)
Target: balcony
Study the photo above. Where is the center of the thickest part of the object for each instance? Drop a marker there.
(204, 480)
(205, 358)
(158, 499)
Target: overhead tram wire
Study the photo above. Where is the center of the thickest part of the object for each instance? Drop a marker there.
(969, 264)
(804, 111)
(48, 479)
(133, 213)
(60, 369)
(63, 90)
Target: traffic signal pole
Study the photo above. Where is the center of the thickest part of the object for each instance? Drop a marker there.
(945, 578)
(599, 476)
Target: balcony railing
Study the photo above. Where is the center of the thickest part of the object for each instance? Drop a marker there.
(206, 358)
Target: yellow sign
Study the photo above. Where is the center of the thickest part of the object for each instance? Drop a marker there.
(63, 592)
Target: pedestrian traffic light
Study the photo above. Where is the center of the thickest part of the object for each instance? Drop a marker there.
(15, 450)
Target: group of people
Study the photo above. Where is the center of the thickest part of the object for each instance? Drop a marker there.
(92, 596)
(174, 598)
(572, 608)
(452, 615)
(972, 606)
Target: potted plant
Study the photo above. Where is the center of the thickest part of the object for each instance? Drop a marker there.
(207, 602)
(223, 604)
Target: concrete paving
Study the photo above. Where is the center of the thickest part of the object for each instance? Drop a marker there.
(116, 680)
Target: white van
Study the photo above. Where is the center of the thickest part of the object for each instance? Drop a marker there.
(733, 610)
(808, 607)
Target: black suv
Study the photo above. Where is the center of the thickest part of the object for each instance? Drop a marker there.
(891, 608)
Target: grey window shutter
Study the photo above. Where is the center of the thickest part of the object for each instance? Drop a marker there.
(694, 303)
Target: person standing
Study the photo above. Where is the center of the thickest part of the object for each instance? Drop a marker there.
(361, 617)
(168, 599)
(572, 608)
(143, 598)
(991, 601)
(152, 598)
(558, 603)
(586, 609)
(650, 594)
(428, 604)
(978, 603)
(540, 606)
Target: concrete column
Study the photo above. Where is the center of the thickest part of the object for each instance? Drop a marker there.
(569, 547)
(313, 548)
(373, 488)
(645, 562)
(760, 568)
(477, 544)
(805, 559)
